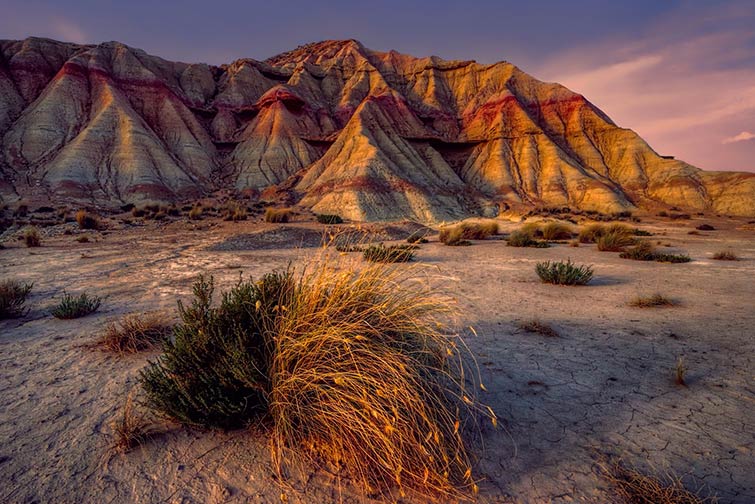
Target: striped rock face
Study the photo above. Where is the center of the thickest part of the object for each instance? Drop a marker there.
(334, 126)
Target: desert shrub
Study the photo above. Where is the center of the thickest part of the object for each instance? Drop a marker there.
(538, 327)
(725, 255)
(615, 239)
(348, 247)
(278, 215)
(635, 487)
(705, 227)
(135, 333)
(196, 212)
(128, 207)
(82, 239)
(13, 296)
(152, 208)
(31, 237)
(138, 212)
(563, 273)
(641, 232)
(71, 307)
(454, 235)
(643, 251)
(672, 258)
(418, 236)
(173, 211)
(524, 239)
(160, 215)
(534, 229)
(348, 366)
(652, 301)
(329, 219)
(591, 233)
(85, 220)
(556, 231)
(131, 428)
(390, 254)
(234, 212)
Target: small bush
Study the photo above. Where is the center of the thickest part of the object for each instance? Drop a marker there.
(591, 233)
(390, 254)
(173, 211)
(138, 212)
(556, 231)
(524, 239)
(538, 327)
(643, 251)
(672, 258)
(348, 247)
(82, 239)
(329, 219)
(135, 333)
(13, 296)
(234, 212)
(641, 232)
(31, 237)
(196, 212)
(563, 273)
(615, 238)
(85, 220)
(278, 215)
(653, 301)
(725, 255)
(160, 215)
(705, 227)
(71, 307)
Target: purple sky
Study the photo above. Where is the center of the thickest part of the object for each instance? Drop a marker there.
(680, 73)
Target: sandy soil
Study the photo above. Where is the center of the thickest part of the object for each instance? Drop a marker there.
(605, 386)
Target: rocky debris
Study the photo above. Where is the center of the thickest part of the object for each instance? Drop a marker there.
(341, 128)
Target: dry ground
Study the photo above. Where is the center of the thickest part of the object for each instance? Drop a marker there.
(605, 386)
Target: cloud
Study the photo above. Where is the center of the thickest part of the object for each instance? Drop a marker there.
(745, 135)
(682, 94)
(66, 30)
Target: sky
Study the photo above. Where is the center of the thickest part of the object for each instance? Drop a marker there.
(679, 72)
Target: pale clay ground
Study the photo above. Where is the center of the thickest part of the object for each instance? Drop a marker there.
(604, 387)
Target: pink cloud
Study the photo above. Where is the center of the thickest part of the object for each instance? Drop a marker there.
(745, 135)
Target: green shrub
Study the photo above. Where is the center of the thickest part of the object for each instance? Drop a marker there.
(563, 273)
(524, 239)
(32, 237)
(278, 215)
(329, 219)
(86, 220)
(643, 251)
(390, 254)
(672, 258)
(348, 367)
(13, 296)
(71, 307)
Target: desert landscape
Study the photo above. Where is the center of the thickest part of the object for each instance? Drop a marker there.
(356, 276)
(603, 385)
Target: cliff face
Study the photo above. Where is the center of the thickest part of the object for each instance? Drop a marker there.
(340, 128)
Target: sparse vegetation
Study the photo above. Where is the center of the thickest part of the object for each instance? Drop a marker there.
(278, 215)
(615, 238)
(563, 273)
(390, 254)
(538, 327)
(725, 255)
(32, 237)
(131, 429)
(556, 231)
(85, 220)
(680, 372)
(672, 258)
(234, 212)
(524, 239)
(643, 251)
(135, 333)
(71, 307)
(196, 212)
(329, 219)
(349, 366)
(635, 487)
(653, 301)
(13, 296)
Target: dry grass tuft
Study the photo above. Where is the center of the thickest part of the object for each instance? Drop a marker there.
(461, 233)
(680, 371)
(352, 367)
(557, 231)
(725, 255)
(278, 215)
(135, 333)
(538, 327)
(634, 487)
(32, 237)
(131, 429)
(86, 220)
(196, 212)
(524, 238)
(653, 301)
(615, 238)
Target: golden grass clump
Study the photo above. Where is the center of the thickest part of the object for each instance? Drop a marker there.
(352, 366)
(538, 327)
(135, 333)
(196, 212)
(615, 238)
(556, 231)
(460, 233)
(653, 301)
(85, 220)
(725, 255)
(278, 215)
(32, 237)
(635, 487)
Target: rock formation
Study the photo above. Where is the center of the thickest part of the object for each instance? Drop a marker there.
(337, 127)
